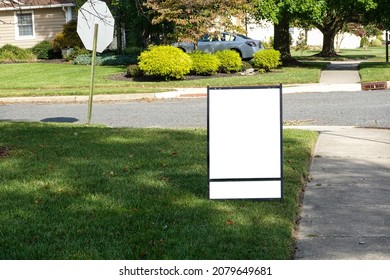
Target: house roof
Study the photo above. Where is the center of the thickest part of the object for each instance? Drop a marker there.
(33, 4)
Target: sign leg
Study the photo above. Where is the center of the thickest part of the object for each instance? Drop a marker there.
(93, 64)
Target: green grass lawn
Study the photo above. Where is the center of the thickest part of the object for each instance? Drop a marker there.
(76, 192)
(373, 67)
(40, 79)
(33, 79)
(371, 54)
(374, 72)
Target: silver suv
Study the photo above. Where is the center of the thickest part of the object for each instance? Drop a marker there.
(211, 43)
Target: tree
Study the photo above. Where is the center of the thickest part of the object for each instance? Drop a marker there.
(335, 15)
(282, 13)
(193, 18)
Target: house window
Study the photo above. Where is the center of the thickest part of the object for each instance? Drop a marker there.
(24, 25)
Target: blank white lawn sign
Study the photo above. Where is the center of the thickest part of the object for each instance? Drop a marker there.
(245, 142)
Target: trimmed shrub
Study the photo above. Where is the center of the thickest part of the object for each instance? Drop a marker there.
(134, 71)
(204, 63)
(230, 61)
(266, 59)
(376, 43)
(44, 50)
(10, 53)
(165, 61)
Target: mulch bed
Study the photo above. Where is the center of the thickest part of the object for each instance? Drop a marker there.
(125, 77)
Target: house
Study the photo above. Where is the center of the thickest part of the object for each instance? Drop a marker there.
(24, 23)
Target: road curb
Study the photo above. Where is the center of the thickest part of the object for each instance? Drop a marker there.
(187, 93)
(77, 99)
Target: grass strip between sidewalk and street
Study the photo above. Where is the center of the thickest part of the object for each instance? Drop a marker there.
(77, 192)
(374, 72)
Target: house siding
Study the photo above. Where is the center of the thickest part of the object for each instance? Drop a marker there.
(47, 23)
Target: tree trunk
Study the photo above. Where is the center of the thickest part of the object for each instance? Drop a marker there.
(328, 49)
(330, 30)
(282, 42)
(119, 39)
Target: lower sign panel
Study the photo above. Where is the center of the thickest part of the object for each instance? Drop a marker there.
(245, 190)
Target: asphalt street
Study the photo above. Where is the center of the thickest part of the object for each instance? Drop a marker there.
(363, 108)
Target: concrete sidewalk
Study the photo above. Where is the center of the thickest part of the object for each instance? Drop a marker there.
(346, 205)
(341, 72)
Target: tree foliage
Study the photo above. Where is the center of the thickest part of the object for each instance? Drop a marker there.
(329, 16)
(193, 18)
(380, 15)
(283, 13)
(335, 14)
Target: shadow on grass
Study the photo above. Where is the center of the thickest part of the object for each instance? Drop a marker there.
(60, 120)
(71, 192)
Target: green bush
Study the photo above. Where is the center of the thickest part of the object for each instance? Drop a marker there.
(44, 50)
(230, 61)
(86, 59)
(134, 71)
(77, 52)
(10, 53)
(105, 59)
(166, 62)
(266, 59)
(364, 42)
(376, 43)
(246, 65)
(204, 63)
(68, 38)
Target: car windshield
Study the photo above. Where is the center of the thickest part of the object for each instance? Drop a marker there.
(222, 37)
(243, 36)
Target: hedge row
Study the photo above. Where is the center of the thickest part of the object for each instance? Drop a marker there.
(169, 62)
(44, 50)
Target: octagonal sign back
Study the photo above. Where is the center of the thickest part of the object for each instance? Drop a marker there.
(91, 13)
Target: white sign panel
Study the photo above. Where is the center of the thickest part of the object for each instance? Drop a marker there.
(245, 143)
(91, 13)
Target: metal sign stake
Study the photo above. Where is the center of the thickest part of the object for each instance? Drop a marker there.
(93, 64)
(387, 46)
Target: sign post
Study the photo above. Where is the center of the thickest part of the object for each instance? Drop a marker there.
(95, 26)
(387, 46)
(93, 65)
